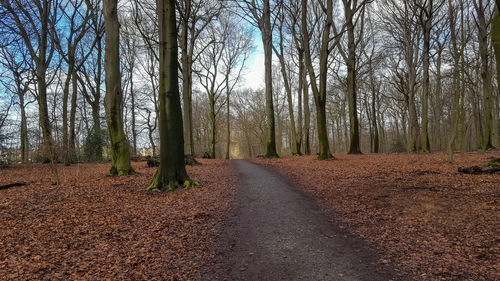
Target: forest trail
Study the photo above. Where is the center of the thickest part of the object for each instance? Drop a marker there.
(278, 233)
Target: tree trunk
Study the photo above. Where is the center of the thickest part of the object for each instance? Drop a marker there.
(299, 101)
(267, 40)
(72, 120)
(495, 40)
(307, 114)
(354, 147)
(228, 116)
(186, 85)
(486, 78)
(456, 81)
(414, 130)
(65, 112)
(120, 150)
(294, 145)
(172, 171)
(213, 131)
(24, 129)
(319, 92)
(132, 101)
(426, 29)
(373, 88)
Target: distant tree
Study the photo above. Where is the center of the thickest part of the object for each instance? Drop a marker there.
(77, 19)
(259, 14)
(35, 23)
(221, 64)
(239, 46)
(14, 59)
(120, 150)
(195, 16)
(400, 23)
(319, 91)
(91, 72)
(354, 13)
(280, 53)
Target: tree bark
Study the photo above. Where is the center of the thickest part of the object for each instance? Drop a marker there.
(426, 23)
(482, 26)
(307, 113)
(293, 143)
(24, 129)
(228, 116)
(186, 59)
(299, 101)
(456, 81)
(354, 147)
(120, 149)
(72, 120)
(495, 39)
(213, 131)
(267, 40)
(172, 171)
(132, 104)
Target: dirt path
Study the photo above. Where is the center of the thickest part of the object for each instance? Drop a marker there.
(278, 233)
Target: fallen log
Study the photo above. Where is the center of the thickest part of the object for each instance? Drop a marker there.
(493, 166)
(12, 185)
(188, 160)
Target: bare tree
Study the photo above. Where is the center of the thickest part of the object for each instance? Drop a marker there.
(195, 15)
(259, 13)
(67, 47)
(15, 59)
(319, 91)
(35, 23)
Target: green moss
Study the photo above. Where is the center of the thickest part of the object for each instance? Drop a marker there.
(494, 163)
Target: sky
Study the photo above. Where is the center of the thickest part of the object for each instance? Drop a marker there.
(254, 74)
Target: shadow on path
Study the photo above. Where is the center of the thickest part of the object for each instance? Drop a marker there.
(278, 233)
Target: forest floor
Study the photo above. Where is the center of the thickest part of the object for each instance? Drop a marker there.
(423, 217)
(93, 227)
(412, 214)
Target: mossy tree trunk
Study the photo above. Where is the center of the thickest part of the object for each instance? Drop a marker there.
(120, 150)
(172, 171)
